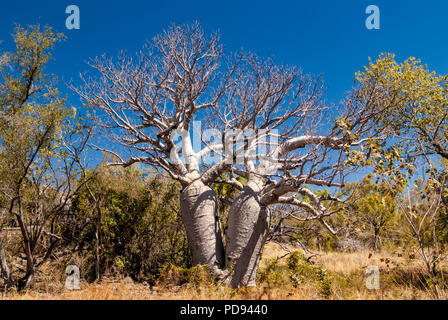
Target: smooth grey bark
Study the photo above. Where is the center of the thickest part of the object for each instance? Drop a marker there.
(248, 225)
(199, 211)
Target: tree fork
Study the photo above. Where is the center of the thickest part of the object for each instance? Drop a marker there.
(199, 212)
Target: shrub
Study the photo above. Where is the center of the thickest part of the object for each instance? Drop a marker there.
(172, 275)
(301, 270)
(138, 227)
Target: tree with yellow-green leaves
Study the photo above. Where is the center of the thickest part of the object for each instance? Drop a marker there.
(420, 106)
(412, 104)
(372, 207)
(416, 117)
(39, 144)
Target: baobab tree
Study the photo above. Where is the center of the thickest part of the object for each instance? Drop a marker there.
(147, 106)
(148, 100)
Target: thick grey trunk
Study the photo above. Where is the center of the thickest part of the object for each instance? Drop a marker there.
(248, 225)
(199, 210)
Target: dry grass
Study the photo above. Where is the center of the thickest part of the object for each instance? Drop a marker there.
(330, 276)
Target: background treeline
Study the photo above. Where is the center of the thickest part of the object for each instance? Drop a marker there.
(125, 222)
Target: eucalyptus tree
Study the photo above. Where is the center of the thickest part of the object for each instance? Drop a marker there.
(418, 119)
(37, 129)
(373, 206)
(26, 126)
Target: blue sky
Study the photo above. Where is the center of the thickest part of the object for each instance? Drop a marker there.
(323, 37)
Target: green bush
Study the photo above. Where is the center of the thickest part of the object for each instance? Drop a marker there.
(301, 270)
(196, 276)
(273, 274)
(137, 223)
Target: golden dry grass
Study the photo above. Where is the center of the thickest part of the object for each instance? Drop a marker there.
(332, 275)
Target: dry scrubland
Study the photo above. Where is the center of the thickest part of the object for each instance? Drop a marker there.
(140, 218)
(331, 275)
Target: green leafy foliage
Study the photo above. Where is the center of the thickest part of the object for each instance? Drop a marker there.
(371, 208)
(139, 228)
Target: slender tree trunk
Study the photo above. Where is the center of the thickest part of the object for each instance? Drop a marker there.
(248, 225)
(30, 268)
(199, 211)
(97, 242)
(97, 253)
(375, 239)
(25, 282)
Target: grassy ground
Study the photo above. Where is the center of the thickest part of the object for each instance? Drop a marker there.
(328, 276)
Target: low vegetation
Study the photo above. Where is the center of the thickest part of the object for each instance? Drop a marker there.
(328, 275)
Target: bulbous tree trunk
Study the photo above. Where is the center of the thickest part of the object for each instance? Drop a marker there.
(248, 225)
(199, 211)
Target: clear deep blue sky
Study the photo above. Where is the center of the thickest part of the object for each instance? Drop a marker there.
(323, 37)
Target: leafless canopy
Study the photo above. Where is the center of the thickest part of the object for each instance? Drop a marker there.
(146, 99)
(183, 75)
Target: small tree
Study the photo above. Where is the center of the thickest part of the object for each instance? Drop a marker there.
(126, 220)
(372, 207)
(422, 209)
(421, 113)
(36, 132)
